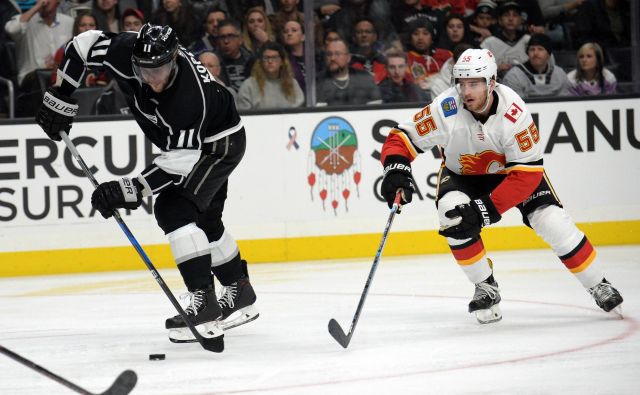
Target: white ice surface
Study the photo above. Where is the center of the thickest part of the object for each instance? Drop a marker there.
(414, 337)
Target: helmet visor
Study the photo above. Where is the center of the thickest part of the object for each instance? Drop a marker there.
(155, 76)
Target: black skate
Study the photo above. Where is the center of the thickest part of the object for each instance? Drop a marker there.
(204, 312)
(486, 301)
(607, 297)
(237, 303)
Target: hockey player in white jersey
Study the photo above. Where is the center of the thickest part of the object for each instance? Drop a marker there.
(492, 162)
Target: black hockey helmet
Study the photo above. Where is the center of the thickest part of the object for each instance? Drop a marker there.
(154, 55)
(155, 46)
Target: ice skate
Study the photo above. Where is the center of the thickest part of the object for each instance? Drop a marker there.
(204, 312)
(237, 303)
(607, 297)
(486, 301)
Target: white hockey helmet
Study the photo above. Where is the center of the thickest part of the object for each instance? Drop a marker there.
(476, 63)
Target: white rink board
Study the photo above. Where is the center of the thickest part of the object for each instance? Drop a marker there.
(269, 194)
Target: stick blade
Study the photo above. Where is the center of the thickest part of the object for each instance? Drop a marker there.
(336, 331)
(124, 383)
(213, 344)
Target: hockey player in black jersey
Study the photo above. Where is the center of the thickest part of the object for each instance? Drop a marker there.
(183, 111)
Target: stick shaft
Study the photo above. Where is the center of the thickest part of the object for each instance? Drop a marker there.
(143, 255)
(376, 260)
(43, 371)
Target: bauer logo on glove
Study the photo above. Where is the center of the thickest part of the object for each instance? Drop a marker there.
(124, 193)
(60, 106)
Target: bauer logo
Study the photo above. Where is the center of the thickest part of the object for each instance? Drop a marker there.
(449, 106)
(334, 165)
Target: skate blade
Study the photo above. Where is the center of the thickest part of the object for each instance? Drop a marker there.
(240, 317)
(488, 316)
(617, 311)
(208, 330)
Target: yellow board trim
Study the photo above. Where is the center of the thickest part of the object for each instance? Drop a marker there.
(300, 249)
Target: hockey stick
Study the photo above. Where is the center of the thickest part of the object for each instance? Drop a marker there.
(334, 328)
(123, 385)
(211, 344)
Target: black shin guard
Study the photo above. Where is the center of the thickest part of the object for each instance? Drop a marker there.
(232, 271)
(195, 273)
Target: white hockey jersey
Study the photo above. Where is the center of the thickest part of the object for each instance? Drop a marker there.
(507, 141)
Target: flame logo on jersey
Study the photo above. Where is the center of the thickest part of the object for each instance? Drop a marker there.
(486, 162)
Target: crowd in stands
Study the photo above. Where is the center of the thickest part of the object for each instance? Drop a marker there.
(366, 51)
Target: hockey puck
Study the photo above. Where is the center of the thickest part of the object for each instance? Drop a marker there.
(156, 357)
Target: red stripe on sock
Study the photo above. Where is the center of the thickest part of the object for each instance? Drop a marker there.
(469, 252)
(579, 257)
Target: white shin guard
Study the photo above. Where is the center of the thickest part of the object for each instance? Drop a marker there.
(223, 250)
(188, 242)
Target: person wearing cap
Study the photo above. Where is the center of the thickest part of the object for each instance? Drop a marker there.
(208, 42)
(423, 59)
(482, 21)
(539, 76)
(132, 20)
(509, 41)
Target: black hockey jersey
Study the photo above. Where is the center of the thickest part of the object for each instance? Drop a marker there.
(191, 113)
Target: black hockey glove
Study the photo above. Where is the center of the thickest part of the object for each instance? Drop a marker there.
(397, 175)
(56, 113)
(124, 193)
(475, 215)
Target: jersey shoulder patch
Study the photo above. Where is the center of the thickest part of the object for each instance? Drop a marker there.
(513, 112)
(449, 106)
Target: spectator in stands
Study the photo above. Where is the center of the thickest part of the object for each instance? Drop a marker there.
(330, 34)
(112, 101)
(107, 13)
(38, 33)
(448, 6)
(365, 51)
(325, 9)
(441, 81)
(591, 78)
(211, 61)
(377, 11)
(561, 17)
(132, 20)
(538, 76)
(237, 60)
(509, 41)
(606, 22)
(343, 85)
(407, 11)
(482, 22)
(256, 29)
(178, 14)
(288, 11)
(81, 24)
(293, 39)
(208, 42)
(396, 87)
(423, 59)
(455, 32)
(271, 84)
